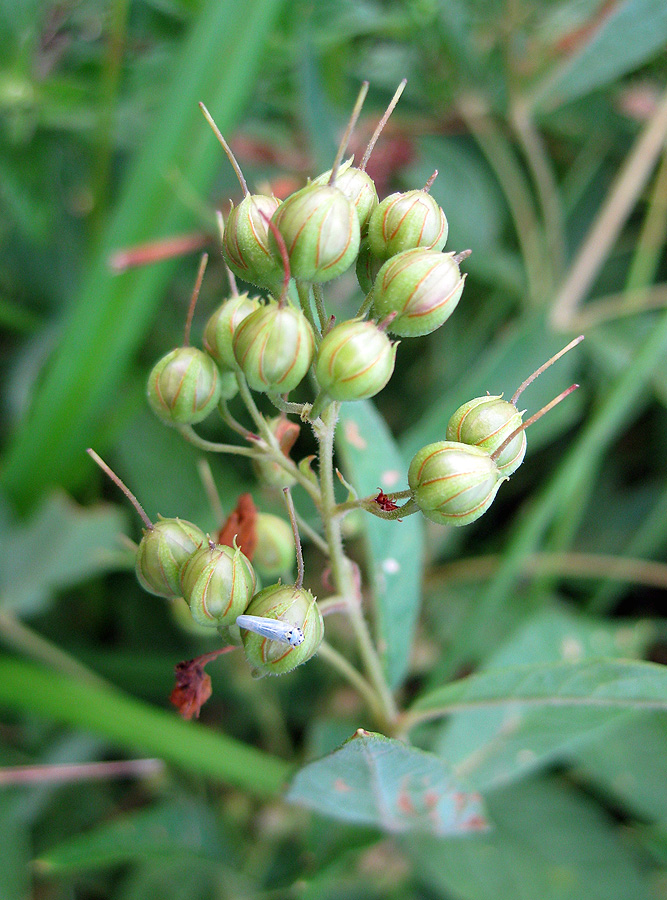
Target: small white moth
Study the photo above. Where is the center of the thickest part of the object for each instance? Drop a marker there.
(273, 629)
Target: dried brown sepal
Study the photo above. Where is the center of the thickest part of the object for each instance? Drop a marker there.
(241, 527)
(193, 685)
(286, 433)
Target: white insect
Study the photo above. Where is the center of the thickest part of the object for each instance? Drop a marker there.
(273, 629)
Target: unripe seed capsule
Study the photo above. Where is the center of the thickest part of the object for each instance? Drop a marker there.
(163, 551)
(220, 328)
(218, 582)
(486, 422)
(296, 608)
(453, 483)
(275, 552)
(355, 360)
(274, 347)
(245, 242)
(358, 187)
(184, 387)
(320, 228)
(422, 287)
(404, 221)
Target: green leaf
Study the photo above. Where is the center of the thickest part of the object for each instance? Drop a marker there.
(628, 763)
(179, 878)
(607, 685)
(374, 780)
(493, 746)
(218, 64)
(136, 726)
(61, 545)
(548, 843)
(395, 549)
(161, 832)
(632, 33)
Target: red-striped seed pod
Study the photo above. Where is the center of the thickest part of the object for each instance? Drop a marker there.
(487, 422)
(162, 553)
(295, 607)
(423, 288)
(320, 228)
(355, 360)
(274, 347)
(184, 386)
(220, 328)
(218, 583)
(358, 187)
(406, 220)
(245, 242)
(453, 483)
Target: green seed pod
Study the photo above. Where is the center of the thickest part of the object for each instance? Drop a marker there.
(274, 347)
(295, 606)
(404, 221)
(486, 422)
(453, 483)
(355, 360)
(245, 242)
(358, 187)
(163, 551)
(320, 228)
(275, 553)
(422, 286)
(220, 328)
(218, 582)
(368, 266)
(184, 387)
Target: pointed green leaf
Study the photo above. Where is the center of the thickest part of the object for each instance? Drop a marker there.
(374, 780)
(163, 831)
(632, 33)
(61, 545)
(493, 746)
(601, 685)
(395, 549)
(548, 842)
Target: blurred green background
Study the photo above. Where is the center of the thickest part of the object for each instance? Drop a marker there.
(547, 123)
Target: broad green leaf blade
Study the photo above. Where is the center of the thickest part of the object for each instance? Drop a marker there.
(374, 780)
(217, 65)
(61, 545)
(494, 746)
(630, 35)
(548, 842)
(136, 726)
(179, 878)
(628, 763)
(372, 461)
(161, 832)
(608, 684)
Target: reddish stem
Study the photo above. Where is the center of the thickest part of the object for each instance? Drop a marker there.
(194, 298)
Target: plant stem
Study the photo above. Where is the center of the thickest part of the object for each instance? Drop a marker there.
(191, 436)
(318, 294)
(341, 569)
(355, 678)
(303, 290)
